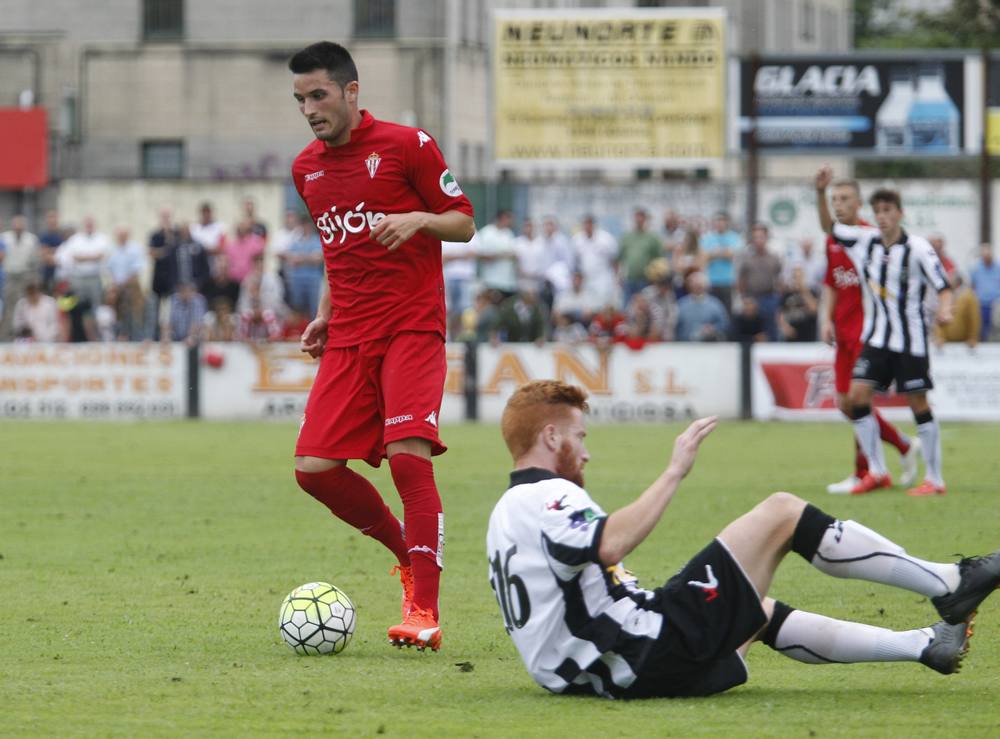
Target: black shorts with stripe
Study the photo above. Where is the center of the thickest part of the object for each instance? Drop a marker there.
(881, 367)
(710, 608)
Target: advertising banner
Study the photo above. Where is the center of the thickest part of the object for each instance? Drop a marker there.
(795, 382)
(659, 383)
(873, 104)
(993, 110)
(662, 382)
(24, 148)
(272, 381)
(609, 87)
(93, 381)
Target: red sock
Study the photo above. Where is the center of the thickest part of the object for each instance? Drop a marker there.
(889, 433)
(860, 460)
(353, 499)
(424, 522)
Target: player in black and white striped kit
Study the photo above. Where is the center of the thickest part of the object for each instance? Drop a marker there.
(897, 269)
(582, 624)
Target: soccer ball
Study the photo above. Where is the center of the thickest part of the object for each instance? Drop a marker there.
(317, 618)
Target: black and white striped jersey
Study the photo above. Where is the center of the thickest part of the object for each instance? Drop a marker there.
(894, 282)
(579, 627)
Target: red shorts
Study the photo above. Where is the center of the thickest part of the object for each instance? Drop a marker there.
(843, 365)
(372, 394)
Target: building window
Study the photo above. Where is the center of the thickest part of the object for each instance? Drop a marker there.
(783, 28)
(162, 20)
(807, 21)
(375, 18)
(163, 159)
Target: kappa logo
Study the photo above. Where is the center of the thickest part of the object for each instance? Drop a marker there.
(556, 505)
(432, 419)
(838, 526)
(710, 586)
(423, 138)
(314, 175)
(372, 163)
(398, 419)
(448, 184)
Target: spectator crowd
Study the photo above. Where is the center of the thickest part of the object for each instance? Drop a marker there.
(679, 280)
(683, 280)
(186, 281)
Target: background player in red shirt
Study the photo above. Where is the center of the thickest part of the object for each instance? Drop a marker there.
(841, 318)
(382, 199)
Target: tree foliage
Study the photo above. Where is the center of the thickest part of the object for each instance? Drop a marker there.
(963, 24)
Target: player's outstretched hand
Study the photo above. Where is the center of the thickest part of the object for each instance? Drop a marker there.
(824, 177)
(397, 228)
(314, 337)
(686, 445)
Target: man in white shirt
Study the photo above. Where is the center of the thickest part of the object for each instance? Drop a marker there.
(532, 258)
(208, 232)
(497, 255)
(582, 623)
(126, 266)
(562, 259)
(596, 254)
(459, 268)
(22, 263)
(83, 256)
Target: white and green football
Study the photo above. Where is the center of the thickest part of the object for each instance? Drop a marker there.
(317, 618)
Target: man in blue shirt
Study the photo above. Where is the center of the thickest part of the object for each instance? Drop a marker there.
(720, 246)
(985, 279)
(700, 316)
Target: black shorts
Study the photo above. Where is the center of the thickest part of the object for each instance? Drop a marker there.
(710, 608)
(881, 367)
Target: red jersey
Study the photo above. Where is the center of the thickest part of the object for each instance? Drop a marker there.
(385, 168)
(848, 308)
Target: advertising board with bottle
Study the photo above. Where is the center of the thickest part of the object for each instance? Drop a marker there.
(891, 107)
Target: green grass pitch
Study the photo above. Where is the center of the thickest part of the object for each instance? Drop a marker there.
(143, 567)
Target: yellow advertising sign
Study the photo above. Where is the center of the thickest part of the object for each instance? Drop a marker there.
(993, 131)
(626, 87)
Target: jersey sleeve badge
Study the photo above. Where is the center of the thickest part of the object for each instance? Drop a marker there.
(449, 185)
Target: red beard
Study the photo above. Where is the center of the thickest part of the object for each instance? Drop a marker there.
(568, 465)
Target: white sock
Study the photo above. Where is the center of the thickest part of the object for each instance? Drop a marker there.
(930, 447)
(866, 429)
(815, 639)
(851, 550)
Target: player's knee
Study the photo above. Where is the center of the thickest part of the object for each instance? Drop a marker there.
(316, 464)
(919, 404)
(844, 404)
(784, 506)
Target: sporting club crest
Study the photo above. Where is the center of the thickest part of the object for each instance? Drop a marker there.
(372, 163)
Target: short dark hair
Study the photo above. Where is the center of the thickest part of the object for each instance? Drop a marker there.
(885, 195)
(334, 58)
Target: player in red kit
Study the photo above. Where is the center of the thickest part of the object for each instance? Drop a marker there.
(382, 199)
(841, 319)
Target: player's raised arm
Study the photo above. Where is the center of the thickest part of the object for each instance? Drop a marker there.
(823, 178)
(627, 527)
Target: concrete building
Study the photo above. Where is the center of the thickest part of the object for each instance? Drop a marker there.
(199, 89)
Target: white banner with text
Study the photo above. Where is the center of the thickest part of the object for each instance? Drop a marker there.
(93, 381)
(659, 383)
(796, 382)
